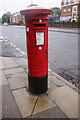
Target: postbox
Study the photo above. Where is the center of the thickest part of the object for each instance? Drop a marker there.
(36, 19)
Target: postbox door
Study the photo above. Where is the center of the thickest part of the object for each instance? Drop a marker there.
(39, 53)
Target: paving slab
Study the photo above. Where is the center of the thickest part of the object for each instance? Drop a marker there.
(11, 65)
(0, 57)
(18, 80)
(26, 70)
(25, 101)
(0, 61)
(65, 81)
(52, 86)
(53, 112)
(38, 106)
(67, 100)
(1, 101)
(79, 107)
(1, 66)
(0, 77)
(22, 62)
(13, 70)
(43, 103)
(55, 80)
(49, 70)
(9, 106)
(4, 80)
(6, 60)
(49, 73)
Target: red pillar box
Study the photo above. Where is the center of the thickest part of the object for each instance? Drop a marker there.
(37, 48)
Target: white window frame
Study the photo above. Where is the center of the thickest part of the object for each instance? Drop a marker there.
(69, 9)
(75, 1)
(74, 11)
(64, 10)
(69, 1)
(65, 2)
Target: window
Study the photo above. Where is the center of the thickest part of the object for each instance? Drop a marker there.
(75, 1)
(65, 2)
(69, 9)
(64, 10)
(69, 2)
(74, 8)
(74, 13)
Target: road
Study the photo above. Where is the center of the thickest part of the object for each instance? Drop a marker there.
(63, 48)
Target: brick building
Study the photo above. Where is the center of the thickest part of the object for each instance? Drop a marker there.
(17, 19)
(70, 10)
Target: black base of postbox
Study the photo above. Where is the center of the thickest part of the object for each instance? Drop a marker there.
(38, 85)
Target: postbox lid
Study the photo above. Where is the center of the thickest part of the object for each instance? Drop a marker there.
(35, 10)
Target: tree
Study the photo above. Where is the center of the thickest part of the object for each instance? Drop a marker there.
(56, 11)
(6, 17)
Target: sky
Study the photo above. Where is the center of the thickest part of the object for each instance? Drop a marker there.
(17, 5)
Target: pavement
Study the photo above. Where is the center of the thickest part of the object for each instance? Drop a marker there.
(60, 101)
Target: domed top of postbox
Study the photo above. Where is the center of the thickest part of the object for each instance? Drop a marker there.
(35, 11)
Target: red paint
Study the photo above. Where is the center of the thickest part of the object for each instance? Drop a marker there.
(37, 59)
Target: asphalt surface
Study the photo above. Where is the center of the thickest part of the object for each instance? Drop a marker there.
(63, 48)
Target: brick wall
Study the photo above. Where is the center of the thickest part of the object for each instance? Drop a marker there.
(18, 19)
(67, 10)
(68, 13)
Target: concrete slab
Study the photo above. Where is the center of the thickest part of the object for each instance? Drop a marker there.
(79, 107)
(49, 70)
(25, 101)
(18, 80)
(13, 70)
(54, 112)
(4, 80)
(51, 86)
(65, 81)
(55, 81)
(67, 100)
(49, 73)
(0, 77)
(2, 66)
(43, 103)
(0, 101)
(0, 57)
(22, 62)
(9, 106)
(11, 65)
(6, 60)
(26, 70)
(0, 61)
